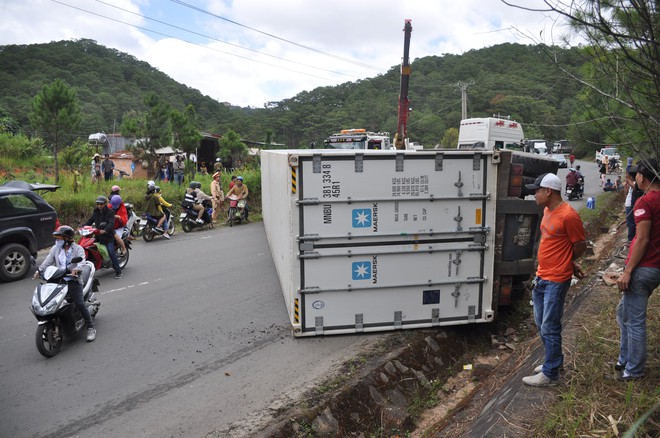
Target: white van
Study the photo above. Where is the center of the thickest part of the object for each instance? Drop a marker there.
(490, 133)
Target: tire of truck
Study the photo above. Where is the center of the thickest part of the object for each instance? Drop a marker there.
(15, 262)
(533, 166)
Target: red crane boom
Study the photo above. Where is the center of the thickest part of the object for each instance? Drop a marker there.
(404, 102)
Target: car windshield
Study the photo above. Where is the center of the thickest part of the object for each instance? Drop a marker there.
(610, 151)
(345, 145)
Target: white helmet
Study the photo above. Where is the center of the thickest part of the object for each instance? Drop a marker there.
(151, 184)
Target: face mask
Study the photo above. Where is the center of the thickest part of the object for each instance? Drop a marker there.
(59, 243)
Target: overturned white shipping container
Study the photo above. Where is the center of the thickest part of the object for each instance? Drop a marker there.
(382, 240)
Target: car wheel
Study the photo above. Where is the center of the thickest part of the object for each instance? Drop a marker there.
(14, 262)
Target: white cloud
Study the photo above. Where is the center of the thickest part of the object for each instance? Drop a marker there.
(368, 31)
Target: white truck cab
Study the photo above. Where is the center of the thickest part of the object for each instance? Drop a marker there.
(490, 133)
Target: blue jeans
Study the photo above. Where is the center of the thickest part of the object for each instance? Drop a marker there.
(631, 317)
(548, 298)
(630, 222)
(178, 177)
(113, 256)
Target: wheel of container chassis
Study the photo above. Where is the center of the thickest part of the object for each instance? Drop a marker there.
(14, 262)
(49, 338)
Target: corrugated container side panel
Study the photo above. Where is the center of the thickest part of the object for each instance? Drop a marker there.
(280, 221)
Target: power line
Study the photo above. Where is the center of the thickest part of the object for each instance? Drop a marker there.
(351, 61)
(224, 42)
(189, 42)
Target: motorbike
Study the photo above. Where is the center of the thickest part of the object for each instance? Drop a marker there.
(614, 168)
(54, 308)
(148, 226)
(97, 253)
(236, 211)
(188, 217)
(576, 191)
(133, 223)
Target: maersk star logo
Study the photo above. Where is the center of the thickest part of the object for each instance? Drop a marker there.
(362, 218)
(361, 270)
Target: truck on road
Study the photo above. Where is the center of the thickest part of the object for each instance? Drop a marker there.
(373, 240)
(359, 139)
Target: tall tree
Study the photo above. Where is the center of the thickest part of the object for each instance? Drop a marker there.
(623, 77)
(55, 115)
(232, 147)
(185, 130)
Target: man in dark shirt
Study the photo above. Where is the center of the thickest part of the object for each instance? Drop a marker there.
(107, 167)
(103, 218)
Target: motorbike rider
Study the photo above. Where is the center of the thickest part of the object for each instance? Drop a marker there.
(121, 217)
(572, 178)
(241, 191)
(60, 255)
(217, 194)
(104, 215)
(193, 199)
(163, 222)
(114, 190)
(152, 207)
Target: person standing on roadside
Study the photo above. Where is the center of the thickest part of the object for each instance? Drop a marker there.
(641, 275)
(562, 243)
(217, 194)
(96, 169)
(178, 167)
(571, 159)
(107, 167)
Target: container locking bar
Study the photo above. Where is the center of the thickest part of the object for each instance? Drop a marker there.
(478, 232)
(460, 197)
(316, 163)
(459, 185)
(439, 157)
(359, 163)
(372, 288)
(313, 255)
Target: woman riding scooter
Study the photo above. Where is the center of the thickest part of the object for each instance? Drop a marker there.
(60, 255)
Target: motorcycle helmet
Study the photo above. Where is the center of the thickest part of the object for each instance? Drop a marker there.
(101, 200)
(65, 231)
(115, 189)
(192, 185)
(240, 178)
(115, 202)
(151, 184)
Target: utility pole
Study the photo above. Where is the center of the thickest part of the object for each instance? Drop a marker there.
(463, 86)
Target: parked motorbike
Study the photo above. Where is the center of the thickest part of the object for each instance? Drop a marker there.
(188, 217)
(97, 253)
(133, 223)
(614, 168)
(236, 213)
(54, 308)
(148, 226)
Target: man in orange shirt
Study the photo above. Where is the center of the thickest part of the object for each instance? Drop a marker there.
(562, 242)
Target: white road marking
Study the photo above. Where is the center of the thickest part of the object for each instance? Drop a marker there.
(130, 286)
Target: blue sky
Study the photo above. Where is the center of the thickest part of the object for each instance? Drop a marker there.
(311, 43)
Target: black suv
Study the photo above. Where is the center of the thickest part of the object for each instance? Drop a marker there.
(27, 223)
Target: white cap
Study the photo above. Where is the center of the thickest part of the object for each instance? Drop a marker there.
(548, 180)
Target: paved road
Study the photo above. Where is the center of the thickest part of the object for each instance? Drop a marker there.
(193, 340)
(591, 185)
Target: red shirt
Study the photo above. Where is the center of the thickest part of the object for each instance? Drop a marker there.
(647, 208)
(560, 229)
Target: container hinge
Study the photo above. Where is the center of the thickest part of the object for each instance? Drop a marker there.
(458, 218)
(318, 322)
(309, 255)
(483, 230)
(307, 201)
(456, 294)
(397, 319)
(399, 163)
(359, 322)
(459, 185)
(438, 161)
(435, 316)
(310, 290)
(316, 163)
(471, 314)
(306, 246)
(476, 162)
(359, 163)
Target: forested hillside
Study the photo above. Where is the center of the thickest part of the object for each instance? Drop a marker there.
(507, 79)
